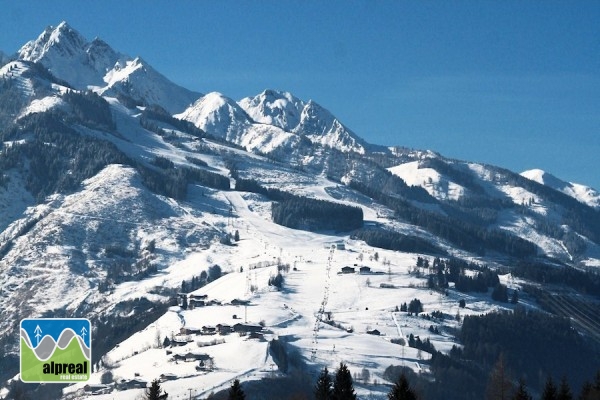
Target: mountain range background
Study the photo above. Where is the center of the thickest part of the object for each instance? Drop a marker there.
(114, 178)
(520, 95)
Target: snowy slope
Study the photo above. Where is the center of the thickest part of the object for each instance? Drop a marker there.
(309, 119)
(320, 126)
(222, 117)
(436, 184)
(29, 83)
(70, 57)
(75, 238)
(276, 108)
(314, 292)
(219, 116)
(582, 193)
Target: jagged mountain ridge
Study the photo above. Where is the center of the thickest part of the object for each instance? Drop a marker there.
(284, 110)
(267, 124)
(271, 123)
(65, 52)
(95, 65)
(83, 236)
(222, 117)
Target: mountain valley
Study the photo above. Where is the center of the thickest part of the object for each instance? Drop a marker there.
(209, 239)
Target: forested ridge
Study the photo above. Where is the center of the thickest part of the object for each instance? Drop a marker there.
(303, 212)
(465, 235)
(390, 240)
(59, 158)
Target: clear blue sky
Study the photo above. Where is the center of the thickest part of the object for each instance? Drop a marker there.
(510, 83)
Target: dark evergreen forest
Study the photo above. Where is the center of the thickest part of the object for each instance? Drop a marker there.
(305, 213)
(58, 158)
(390, 240)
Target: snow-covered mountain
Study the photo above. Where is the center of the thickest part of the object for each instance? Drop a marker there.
(272, 122)
(309, 119)
(110, 210)
(218, 115)
(276, 108)
(95, 65)
(584, 194)
(222, 117)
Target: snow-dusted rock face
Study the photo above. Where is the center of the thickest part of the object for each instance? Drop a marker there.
(284, 110)
(222, 117)
(95, 65)
(320, 126)
(582, 193)
(218, 115)
(275, 108)
(67, 55)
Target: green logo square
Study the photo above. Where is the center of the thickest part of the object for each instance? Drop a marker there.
(56, 350)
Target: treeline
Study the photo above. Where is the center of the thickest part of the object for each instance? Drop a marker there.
(535, 347)
(445, 271)
(480, 282)
(172, 181)
(583, 281)
(156, 113)
(305, 213)
(552, 346)
(251, 185)
(59, 159)
(132, 316)
(574, 243)
(390, 240)
(462, 178)
(385, 182)
(90, 110)
(36, 69)
(196, 282)
(463, 234)
(11, 101)
(313, 214)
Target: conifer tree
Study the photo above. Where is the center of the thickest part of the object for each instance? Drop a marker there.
(323, 389)
(154, 392)
(549, 392)
(564, 391)
(595, 389)
(521, 393)
(499, 385)
(401, 390)
(236, 392)
(591, 391)
(343, 388)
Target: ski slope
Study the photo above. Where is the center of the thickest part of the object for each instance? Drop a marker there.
(314, 293)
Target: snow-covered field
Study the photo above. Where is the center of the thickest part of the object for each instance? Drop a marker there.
(314, 293)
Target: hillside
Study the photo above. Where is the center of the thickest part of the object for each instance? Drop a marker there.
(263, 240)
